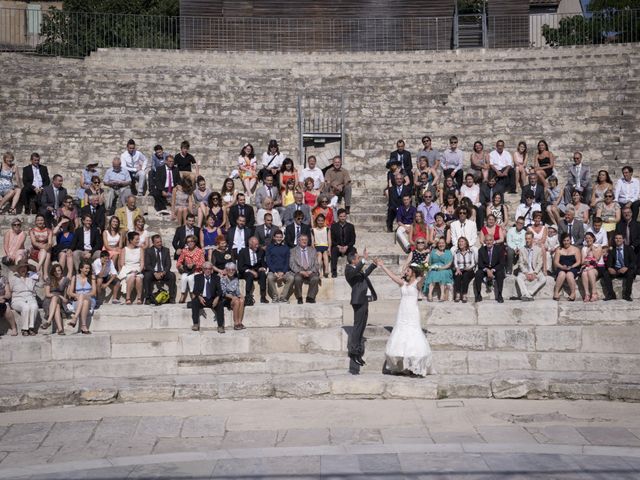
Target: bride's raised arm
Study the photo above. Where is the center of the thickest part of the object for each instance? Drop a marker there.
(389, 273)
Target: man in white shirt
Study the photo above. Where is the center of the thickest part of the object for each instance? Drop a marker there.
(527, 208)
(313, 172)
(502, 165)
(463, 227)
(599, 233)
(106, 277)
(136, 164)
(471, 190)
(627, 191)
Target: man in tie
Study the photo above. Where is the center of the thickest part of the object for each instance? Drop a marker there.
(157, 269)
(531, 277)
(343, 240)
(293, 231)
(207, 293)
(304, 267)
(252, 267)
(51, 199)
(264, 232)
(629, 228)
(268, 190)
(621, 263)
(242, 209)
(34, 178)
(396, 192)
(403, 158)
(87, 242)
(163, 182)
(96, 211)
(575, 228)
(361, 291)
(578, 179)
(535, 188)
(277, 260)
(491, 260)
(297, 206)
(238, 236)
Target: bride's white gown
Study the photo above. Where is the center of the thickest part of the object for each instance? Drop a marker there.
(407, 348)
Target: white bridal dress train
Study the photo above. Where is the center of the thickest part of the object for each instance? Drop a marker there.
(407, 349)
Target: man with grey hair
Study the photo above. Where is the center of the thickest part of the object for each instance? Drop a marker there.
(96, 211)
(305, 269)
(578, 179)
(574, 227)
(118, 181)
(207, 293)
(531, 277)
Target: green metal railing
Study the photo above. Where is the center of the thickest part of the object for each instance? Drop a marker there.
(77, 34)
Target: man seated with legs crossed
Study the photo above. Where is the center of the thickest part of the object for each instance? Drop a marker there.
(531, 277)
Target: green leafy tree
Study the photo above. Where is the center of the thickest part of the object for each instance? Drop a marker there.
(609, 21)
(86, 25)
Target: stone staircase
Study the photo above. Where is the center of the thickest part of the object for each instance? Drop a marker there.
(72, 111)
(485, 350)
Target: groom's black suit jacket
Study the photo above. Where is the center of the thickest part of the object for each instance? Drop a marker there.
(359, 282)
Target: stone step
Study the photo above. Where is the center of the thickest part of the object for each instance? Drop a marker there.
(330, 384)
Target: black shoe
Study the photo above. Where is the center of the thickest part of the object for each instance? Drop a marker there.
(347, 210)
(627, 298)
(609, 297)
(357, 359)
(515, 297)
(361, 361)
(300, 302)
(249, 301)
(264, 300)
(189, 304)
(512, 192)
(310, 300)
(478, 298)
(500, 300)
(334, 275)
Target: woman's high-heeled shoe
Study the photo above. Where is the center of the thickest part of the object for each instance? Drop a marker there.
(587, 298)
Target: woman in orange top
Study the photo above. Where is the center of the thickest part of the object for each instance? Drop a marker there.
(323, 208)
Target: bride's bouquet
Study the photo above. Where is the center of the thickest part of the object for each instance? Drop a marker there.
(421, 267)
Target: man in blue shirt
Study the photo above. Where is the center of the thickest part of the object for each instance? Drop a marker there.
(277, 259)
(405, 216)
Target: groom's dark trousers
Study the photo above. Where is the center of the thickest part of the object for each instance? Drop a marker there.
(360, 286)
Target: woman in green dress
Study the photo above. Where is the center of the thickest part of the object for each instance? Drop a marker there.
(440, 273)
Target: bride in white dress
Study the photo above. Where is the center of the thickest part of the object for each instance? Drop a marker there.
(407, 349)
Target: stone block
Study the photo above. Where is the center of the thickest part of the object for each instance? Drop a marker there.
(327, 339)
(145, 391)
(24, 436)
(12, 399)
(116, 318)
(151, 428)
(172, 317)
(450, 362)
(98, 395)
(270, 340)
(215, 344)
(511, 338)
(611, 339)
(125, 367)
(471, 386)
(18, 350)
(422, 388)
(519, 386)
(241, 386)
(558, 339)
(146, 349)
(189, 343)
(116, 429)
(35, 372)
(320, 315)
(448, 313)
(201, 387)
(80, 347)
(301, 386)
(361, 386)
(64, 433)
(598, 313)
(580, 386)
(588, 362)
(489, 362)
(457, 338)
(490, 313)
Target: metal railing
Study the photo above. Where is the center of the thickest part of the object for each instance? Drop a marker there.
(76, 34)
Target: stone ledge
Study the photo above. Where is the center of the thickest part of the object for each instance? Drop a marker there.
(325, 384)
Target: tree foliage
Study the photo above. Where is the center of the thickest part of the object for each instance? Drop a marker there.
(609, 21)
(83, 26)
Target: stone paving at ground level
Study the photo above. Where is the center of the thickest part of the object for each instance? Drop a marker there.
(342, 439)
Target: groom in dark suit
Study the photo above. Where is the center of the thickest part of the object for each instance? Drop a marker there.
(360, 286)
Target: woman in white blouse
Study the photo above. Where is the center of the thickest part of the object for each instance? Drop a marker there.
(267, 207)
(464, 265)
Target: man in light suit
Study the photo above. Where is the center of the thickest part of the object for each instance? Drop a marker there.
(361, 291)
(51, 199)
(575, 228)
(268, 190)
(579, 179)
(396, 193)
(128, 214)
(297, 206)
(305, 269)
(530, 278)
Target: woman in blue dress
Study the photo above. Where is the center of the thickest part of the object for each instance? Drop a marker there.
(82, 290)
(440, 272)
(208, 236)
